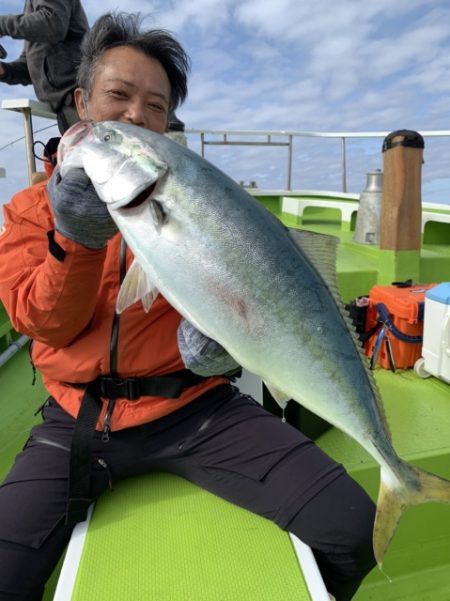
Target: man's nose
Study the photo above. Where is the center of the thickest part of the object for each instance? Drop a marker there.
(135, 112)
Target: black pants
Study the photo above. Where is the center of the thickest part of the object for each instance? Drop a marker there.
(226, 443)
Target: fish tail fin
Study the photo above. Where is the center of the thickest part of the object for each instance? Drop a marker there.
(416, 487)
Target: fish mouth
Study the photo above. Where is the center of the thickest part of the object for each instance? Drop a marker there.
(141, 197)
(72, 137)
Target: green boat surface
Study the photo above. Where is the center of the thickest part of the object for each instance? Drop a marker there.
(179, 542)
(159, 537)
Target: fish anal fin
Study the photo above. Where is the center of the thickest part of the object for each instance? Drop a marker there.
(281, 397)
(136, 286)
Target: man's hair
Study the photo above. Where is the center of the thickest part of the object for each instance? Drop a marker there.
(124, 29)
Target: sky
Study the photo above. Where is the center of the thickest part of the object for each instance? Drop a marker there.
(296, 65)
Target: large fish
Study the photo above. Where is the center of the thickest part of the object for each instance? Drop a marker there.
(234, 271)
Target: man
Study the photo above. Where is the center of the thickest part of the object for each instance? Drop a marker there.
(52, 30)
(122, 401)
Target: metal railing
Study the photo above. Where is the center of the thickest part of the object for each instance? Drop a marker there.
(29, 108)
(212, 137)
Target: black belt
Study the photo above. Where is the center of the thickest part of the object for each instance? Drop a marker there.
(169, 385)
(79, 487)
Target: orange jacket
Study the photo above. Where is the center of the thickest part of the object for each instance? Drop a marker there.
(68, 306)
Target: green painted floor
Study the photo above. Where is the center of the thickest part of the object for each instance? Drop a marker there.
(19, 400)
(418, 559)
(164, 539)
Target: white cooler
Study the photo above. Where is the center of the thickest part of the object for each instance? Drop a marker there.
(435, 358)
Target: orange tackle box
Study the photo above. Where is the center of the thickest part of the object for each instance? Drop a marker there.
(398, 310)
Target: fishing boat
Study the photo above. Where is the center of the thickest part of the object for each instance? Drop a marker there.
(159, 537)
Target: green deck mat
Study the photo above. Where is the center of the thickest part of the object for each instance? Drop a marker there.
(159, 537)
(418, 559)
(19, 400)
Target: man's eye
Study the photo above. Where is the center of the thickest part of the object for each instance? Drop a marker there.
(120, 93)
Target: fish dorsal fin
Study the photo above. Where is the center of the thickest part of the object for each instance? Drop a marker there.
(321, 251)
(136, 286)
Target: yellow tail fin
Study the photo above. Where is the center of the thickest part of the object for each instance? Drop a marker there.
(415, 486)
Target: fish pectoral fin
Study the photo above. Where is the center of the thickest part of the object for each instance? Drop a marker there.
(281, 397)
(158, 214)
(136, 286)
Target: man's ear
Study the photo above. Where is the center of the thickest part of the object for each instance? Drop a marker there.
(80, 103)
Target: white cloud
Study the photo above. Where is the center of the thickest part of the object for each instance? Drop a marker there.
(296, 65)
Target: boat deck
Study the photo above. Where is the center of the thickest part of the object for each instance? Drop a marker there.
(417, 564)
(196, 547)
(360, 266)
(19, 401)
(418, 411)
(418, 559)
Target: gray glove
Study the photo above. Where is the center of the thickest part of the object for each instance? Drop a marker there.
(201, 354)
(79, 213)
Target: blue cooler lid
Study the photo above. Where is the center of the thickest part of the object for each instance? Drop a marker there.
(440, 293)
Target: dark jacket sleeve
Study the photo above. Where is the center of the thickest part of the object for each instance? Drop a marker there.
(52, 31)
(48, 22)
(16, 72)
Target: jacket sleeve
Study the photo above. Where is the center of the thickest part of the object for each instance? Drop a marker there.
(48, 22)
(16, 72)
(49, 299)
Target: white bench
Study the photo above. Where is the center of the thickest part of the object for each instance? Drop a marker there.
(297, 205)
(436, 217)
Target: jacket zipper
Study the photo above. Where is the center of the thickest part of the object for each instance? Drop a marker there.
(105, 466)
(107, 421)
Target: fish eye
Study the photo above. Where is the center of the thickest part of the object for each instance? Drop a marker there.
(112, 136)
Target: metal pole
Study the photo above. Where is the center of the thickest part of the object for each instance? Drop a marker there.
(289, 182)
(202, 138)
(29, 141)
(12, 349)
(344, 166)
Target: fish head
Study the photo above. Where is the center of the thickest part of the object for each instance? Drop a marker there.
(121, 168)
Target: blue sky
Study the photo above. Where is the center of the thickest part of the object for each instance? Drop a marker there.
(310, 65)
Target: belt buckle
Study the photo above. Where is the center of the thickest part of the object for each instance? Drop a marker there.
(133, 388)
(113, 387)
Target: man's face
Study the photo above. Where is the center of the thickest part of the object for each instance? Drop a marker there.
(129, 87)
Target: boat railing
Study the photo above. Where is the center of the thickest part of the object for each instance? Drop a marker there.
(29, 108)
(10, 341)
(212, 137)
(286, 139)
